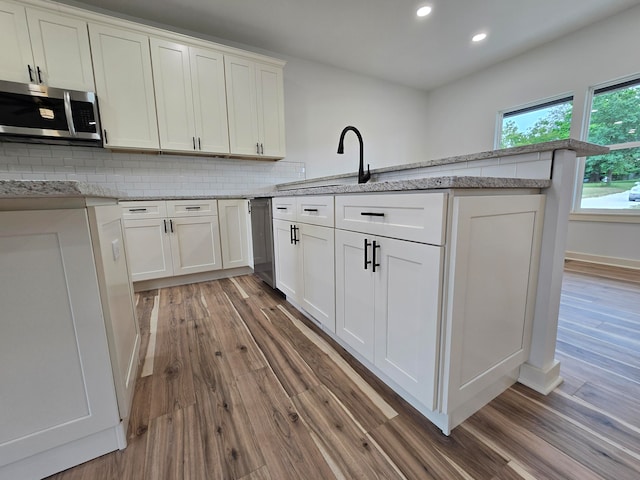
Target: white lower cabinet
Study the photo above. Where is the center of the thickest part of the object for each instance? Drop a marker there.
(305, 270)
(434, 291)
(59, 405)
(233, 215)
(170, 238)
(195, 244)
(303, 238)
(390, 314)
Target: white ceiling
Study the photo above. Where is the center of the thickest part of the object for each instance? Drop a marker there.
(381, 38)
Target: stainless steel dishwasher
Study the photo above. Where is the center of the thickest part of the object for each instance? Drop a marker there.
(262, 236)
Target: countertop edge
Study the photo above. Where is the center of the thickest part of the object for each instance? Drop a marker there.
(581, 148)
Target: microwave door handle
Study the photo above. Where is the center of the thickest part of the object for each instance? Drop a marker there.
(69, 113)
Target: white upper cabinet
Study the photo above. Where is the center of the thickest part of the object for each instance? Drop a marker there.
(44, 47)
(255, 102)
(190, 96)
(124, 84)
(209, 100)
(16, 57)
(270, 96)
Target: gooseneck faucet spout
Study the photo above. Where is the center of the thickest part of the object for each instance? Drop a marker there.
(362, 176)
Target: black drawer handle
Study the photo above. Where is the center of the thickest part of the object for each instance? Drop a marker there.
(137, 209)
(374, 264)
(310, 209)
(366, 251)
(192, 208)
(281, 208)
(372, 214)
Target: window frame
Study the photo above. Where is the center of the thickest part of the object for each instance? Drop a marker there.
(526, 107)
(594, 213)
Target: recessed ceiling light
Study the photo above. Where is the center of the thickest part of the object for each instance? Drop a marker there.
(478, 37)
(423, 11)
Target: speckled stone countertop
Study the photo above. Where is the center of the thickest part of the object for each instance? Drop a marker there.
(54, 189)
(191, 197)
(582, 149)
(428, 183)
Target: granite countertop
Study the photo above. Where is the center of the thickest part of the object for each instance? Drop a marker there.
(54, 189)
(582, 149)
(428, 183)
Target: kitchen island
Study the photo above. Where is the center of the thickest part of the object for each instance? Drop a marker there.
(453, 323)
(70, 338)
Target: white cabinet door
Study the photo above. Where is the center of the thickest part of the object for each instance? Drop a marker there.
(174, 99)
(355, 292)
(317, 279)
(124, 85)
(240, 80)
(286, 258)
(15, 54)
(494, 253)
(61, 50)
(407, 315)
(209, 100)
(149, 248)
(232, 215)
(195, 244)
(270, 97)
(57, 384)
(116, 291)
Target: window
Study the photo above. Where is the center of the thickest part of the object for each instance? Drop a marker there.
(538, 123)
(612, 181)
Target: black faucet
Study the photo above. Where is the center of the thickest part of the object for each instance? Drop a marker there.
(362, 176)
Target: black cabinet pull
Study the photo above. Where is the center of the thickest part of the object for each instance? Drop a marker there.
(30, 73)
(192, 208)
(137, 209)
(165, 226)
(171, 225)
(281, 208)
(372, 214)
(375, 245)
(295, 235)
(194, 142)
(258, 148)
(291, 233)
(310, 209)
(39, 74)
(199, 144)
(105, 136)
(366, 250)
(261, 149)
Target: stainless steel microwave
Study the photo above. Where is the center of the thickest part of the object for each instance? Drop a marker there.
(42, 114)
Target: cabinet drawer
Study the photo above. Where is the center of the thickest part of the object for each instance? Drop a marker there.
(284, 208)
(143, 209)
(315, 210)
(419, 217)
(191, 208)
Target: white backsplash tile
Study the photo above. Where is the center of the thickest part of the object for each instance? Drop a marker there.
(143, 174)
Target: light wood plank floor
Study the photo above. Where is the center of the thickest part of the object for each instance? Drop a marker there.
(238, 385)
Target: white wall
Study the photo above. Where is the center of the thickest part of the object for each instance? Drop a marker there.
(462, 116)
(321, 100)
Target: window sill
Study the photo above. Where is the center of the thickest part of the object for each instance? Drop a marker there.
(616, 216)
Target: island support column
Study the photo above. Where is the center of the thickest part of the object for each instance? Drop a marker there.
(542, 370)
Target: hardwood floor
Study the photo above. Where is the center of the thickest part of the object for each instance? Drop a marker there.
(238, 385)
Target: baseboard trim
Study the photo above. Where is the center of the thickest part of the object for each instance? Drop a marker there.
(542, 381)
(602, 260)
(167, 282)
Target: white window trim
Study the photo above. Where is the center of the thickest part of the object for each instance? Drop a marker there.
(501, 113)
(600, 214)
